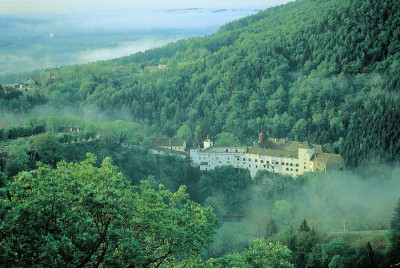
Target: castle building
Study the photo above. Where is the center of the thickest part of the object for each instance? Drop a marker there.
(274, 155)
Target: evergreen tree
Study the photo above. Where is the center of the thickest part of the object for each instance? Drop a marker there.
(393, 237)
(304, 227)
(270, 228)
(395, 222)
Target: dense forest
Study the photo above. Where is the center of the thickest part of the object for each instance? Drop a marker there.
(323, 71)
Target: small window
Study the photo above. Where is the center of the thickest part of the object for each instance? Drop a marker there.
(249, 165)
(287, 169)
(297, 165)
(244, 159)
(287, 164)
(262, 161)
(283, 163)
(256, 160)
(291, 169)
(237, 159)
(267, 162)
(291, 164)
(236, 151)
(297, 170)
(249, 159)
(256, 166)
(305, 168)
(226, 150)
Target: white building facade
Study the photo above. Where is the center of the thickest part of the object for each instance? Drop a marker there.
(277, 156)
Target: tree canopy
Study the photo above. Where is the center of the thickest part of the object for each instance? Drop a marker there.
(80, 215)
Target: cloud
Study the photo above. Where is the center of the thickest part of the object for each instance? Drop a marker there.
(71, 6)
(123, 49)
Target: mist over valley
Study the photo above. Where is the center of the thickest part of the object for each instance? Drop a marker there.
(38, 41)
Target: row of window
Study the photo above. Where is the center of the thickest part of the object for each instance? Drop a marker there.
(262, 161)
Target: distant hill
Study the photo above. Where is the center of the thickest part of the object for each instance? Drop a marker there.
(322, 71)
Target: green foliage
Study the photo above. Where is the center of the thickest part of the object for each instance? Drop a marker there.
(120, 132)
(226, 139)
(262, 254)
(47, 147)
(337, 253)
(3, 179)
(228, 184)
(282, 212)
(393, 246)
(270, 228)
(80, 215)
(374, 132)
(184, 132)
(393, 237)
(17, 152)
(395, 222)
(268, 255)
(14, 132)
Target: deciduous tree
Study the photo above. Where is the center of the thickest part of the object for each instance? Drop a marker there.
(79, 215)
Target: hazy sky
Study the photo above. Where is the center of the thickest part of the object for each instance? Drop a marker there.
(16, 7)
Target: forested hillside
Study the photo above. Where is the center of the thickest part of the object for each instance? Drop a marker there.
(308, 70)
(323, 71)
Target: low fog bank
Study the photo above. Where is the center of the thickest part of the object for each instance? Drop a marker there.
(88, 113)
(61, 51)
(123, 49)
(330, 202)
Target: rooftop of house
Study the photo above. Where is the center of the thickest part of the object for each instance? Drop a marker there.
(151, 68)
(328, 158)
(281, 147)
(34, 77)
(306, 145)
(167, 141)
(222, 149)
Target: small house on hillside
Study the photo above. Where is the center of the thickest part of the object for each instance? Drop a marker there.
(161, 65)
(33, 80)
(120, 70)
(151, 68)
(70, 129)
(54, 77)
(23, 85)
(174, 144)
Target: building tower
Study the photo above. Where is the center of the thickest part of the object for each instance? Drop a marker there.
(306, 152)
(261, 136)
(208, 143)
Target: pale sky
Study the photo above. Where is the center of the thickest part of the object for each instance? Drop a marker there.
(16, 7)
